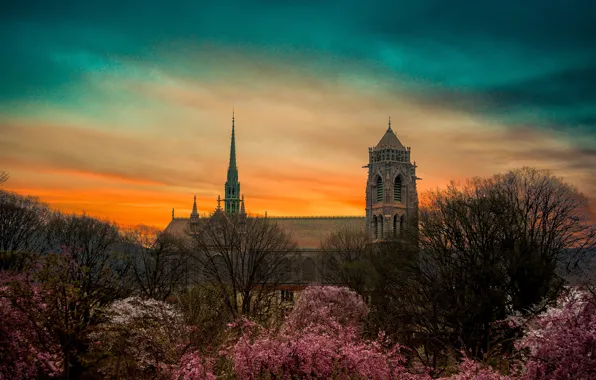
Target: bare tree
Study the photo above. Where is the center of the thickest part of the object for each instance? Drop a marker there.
(491, 248)
(159, 262)
(97, 247)
(244, 258)
(3, 177)
(22, 221)
(347, 258)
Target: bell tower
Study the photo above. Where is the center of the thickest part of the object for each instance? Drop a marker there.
(232, 187)
(391, 195)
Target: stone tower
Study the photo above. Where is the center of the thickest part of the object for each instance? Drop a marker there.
(232, 188)
(391, 195)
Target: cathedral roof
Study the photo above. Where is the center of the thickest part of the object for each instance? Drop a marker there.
(389, 140)
(307, 232)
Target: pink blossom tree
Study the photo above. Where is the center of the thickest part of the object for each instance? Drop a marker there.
(27, 349)
(52, 304)
(561, 342)
(469, 369)
(320, 338)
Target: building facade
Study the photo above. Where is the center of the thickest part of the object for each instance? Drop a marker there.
(391, 205)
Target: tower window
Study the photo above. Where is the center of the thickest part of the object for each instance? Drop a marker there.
(379, 189)
(394, 225)
(397, 189)
(381, 226)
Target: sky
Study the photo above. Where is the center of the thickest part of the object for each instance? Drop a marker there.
(122, 109)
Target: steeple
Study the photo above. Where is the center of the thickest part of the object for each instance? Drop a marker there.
(242, 208)
(194, 215)
(232, 169)
(232, 187)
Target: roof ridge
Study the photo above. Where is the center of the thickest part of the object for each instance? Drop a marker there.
(317, 217)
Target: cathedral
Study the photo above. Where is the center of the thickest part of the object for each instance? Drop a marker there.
(391, 204)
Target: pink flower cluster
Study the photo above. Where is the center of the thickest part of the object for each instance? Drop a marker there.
(320, 339)
(471, 370)
(193, 366)
(561, 343)
(26, 349)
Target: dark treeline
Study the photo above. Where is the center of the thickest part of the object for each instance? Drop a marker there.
(62, 271)
(479, 252)
(483, 250)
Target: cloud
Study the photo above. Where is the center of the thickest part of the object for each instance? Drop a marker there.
(139, 101)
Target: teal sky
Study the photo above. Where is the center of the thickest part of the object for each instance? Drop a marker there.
(147, 70)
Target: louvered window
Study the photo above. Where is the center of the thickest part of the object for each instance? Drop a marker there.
(397, 189)
(379, 189)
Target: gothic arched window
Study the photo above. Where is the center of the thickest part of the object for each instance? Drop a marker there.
(394, 225)
(397, 189)
(379, 189)
(381, 226)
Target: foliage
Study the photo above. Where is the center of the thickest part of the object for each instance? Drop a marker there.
(205, 312)
(49, 296)
(194, 367)
(27, 349)
(468, 369)
(324, 343)
(488, 249)
(561, 342)
(141, 338)
(326, 306)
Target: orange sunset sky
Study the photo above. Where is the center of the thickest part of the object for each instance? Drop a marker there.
(125, 121)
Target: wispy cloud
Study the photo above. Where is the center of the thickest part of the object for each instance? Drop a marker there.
(302, 140)
(100, 112)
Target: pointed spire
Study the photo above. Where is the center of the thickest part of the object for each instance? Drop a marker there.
(194, 214)
(389, 129)
(232, 169)
(218, 202)
(172, 214)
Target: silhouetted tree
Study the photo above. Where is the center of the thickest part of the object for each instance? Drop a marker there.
(488, 249)
(159, 262)
(3, 177)
(22, 224)
(97, 247)
(347, 261)
(244, 258)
